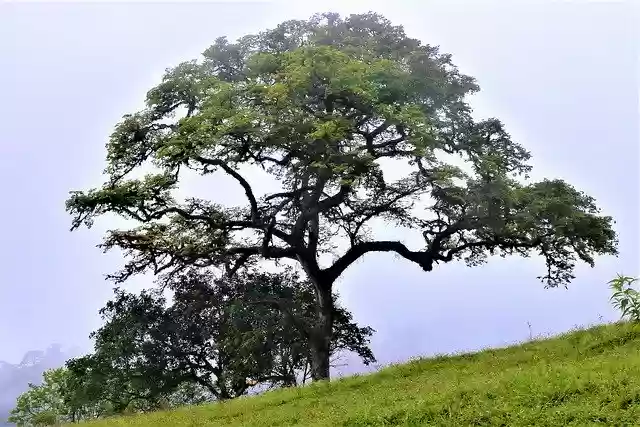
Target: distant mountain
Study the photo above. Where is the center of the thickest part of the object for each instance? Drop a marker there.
(15, 378)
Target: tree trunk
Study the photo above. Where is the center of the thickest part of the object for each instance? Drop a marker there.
(321, 334)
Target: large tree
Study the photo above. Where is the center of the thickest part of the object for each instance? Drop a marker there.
(322, 105)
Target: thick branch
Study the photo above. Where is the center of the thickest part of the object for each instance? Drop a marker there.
(333, 201)
(423, 258)
(267, 252)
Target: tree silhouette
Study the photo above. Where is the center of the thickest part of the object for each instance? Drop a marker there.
(321, 105)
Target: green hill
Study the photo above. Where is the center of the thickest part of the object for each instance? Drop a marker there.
(583, 378)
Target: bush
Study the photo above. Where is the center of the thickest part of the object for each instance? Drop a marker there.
(625, 298)
(45, 418)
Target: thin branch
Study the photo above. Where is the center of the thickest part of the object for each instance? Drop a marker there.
(288, 194)
(247, 188)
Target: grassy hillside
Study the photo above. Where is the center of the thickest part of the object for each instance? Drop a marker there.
(583, 378)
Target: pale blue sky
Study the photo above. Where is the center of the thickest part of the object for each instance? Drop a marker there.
(563, 76)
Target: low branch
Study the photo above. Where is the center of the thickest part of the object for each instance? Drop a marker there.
(423, 258)
(267, 252)
(218, 225)
(426, 258)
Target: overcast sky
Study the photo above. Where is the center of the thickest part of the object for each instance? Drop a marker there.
(563, 76)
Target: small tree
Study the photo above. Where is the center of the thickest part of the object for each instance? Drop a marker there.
(46, 404)
(321, 105)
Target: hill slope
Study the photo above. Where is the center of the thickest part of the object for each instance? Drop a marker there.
(589, 377)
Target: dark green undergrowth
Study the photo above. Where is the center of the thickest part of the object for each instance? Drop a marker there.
(587, 377)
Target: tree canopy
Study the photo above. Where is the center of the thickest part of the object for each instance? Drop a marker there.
(214, 339)
(321, 105)
(44, 404)
(222, 336)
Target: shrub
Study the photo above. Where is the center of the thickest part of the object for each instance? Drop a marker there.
(625, 298)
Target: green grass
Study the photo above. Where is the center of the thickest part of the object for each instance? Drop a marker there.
(583, 378)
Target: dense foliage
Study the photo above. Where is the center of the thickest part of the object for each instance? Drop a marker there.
(322, 106)
(214, 339)
(65, 397)
(224, 335)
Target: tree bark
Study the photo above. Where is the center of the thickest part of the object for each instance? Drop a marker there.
(321, 334)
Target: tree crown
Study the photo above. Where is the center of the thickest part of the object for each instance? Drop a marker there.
(321, 105)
